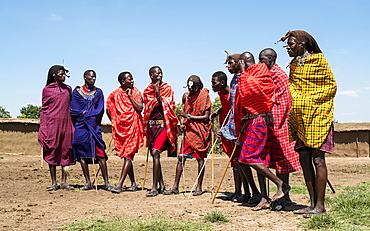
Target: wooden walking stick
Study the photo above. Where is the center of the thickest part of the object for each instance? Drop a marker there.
(227, 165)
(205, 162)
(145, 169)
(331, 186)
(42, 158)
(213, 164)
(95, 181)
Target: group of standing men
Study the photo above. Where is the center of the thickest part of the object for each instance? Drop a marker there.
(257, 109)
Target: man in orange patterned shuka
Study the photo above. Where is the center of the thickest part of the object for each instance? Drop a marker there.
(197, 128)
(124, 106)
(160, 124)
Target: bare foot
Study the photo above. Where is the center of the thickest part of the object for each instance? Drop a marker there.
(262, 205)
(281, 192)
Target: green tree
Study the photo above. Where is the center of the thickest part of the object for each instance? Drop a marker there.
(177, 109)
(4, 113)
(30, 111)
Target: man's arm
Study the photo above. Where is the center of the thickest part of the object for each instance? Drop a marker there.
(138, 106)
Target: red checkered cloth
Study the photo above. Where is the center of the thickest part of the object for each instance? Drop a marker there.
(197, 134)
(127, 123)
(280, 112)
(168, 105)
(255, 93)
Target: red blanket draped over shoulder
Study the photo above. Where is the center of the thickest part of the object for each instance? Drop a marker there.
(168, 105)
(197, 133)
(256, 92)
(127, 124)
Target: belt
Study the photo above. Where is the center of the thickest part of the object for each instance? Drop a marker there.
(266, 115)
(156, 122)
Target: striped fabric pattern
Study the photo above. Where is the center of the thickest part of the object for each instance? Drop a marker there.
(127, 123)
(313, 88)
(255, 93)
(229, 130)
(197, 134)
(56, 128)
(168, 104)
(260, 146)
(280, 112)
(87, 114)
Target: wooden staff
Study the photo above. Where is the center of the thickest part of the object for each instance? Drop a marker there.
(96, 182)
(227, 165)
(331, 186)
(42, 158)
(145, 169)
(213, 164)
(205, 162)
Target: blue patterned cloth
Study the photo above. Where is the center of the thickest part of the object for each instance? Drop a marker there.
(87, 111)
(229, 130)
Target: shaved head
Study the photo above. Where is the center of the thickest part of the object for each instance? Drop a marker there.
(245, 60)
(268, 56)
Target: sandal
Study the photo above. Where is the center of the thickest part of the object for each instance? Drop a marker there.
(54, 187)
(312, 213)
(243, 198)
(108, 188)
(197, 193)
(255, 199)
(86, 187)
(66, 187)
(304, 210)
(152, 193)
(132, 188)
(171, 191)
(116, 189)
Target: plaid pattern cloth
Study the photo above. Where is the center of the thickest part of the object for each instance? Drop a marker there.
(197, 134)
(313, 87)
(229, 130)
(260, 146)
(280, 112)
(127, 123)
(168, 104)
(255, 93)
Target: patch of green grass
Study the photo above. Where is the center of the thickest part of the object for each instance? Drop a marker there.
(216, 216)
(1, 157)
(153, 224)
(349, 211)
(342, 180)
(75, 180)
(366, 168)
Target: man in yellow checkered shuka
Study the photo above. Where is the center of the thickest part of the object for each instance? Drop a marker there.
(313, 87)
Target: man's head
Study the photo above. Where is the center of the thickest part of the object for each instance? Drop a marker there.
(268, 56)
(219, 81)
(57, 73)
(194, 84)
(299, 42)
(245, 60)
(155, 74)
(90, 77)
(231, 62)
(126, 80)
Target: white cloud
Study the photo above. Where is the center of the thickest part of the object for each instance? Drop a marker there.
(350, 93)
(54, 17)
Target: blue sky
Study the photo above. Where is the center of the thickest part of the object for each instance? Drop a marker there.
(183, 37)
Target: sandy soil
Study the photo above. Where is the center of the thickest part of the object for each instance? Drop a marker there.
(26, 205)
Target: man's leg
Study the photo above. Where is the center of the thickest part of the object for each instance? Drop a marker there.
(321, 179)
(131, 175)
(53, 174)
(156, 169)
(247, 172)
(179, 168)
(264, 202)
(126, 168)
(85, 171)
(285, 178)
(201, 174)
(305, 159)
(283, 188)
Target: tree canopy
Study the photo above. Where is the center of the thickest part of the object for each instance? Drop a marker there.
(4, 113)
(30, 111)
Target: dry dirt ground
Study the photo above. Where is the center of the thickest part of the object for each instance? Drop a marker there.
(26, 205)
